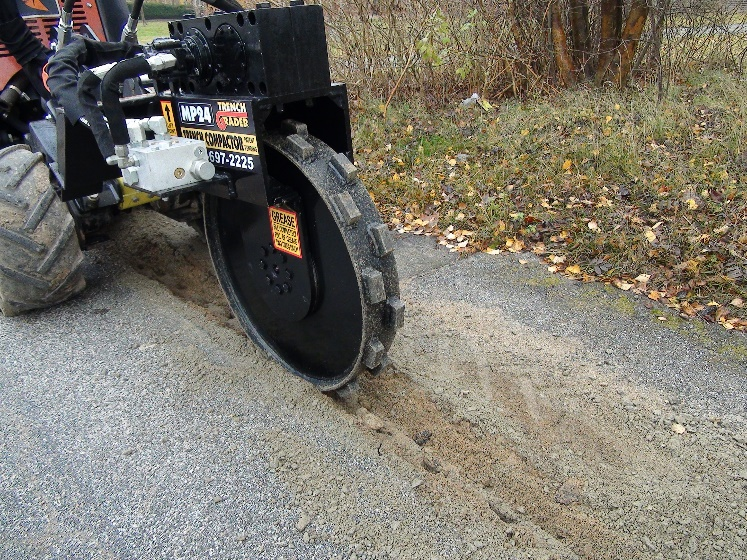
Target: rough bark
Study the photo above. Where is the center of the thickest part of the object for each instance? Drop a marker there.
(609, 36)
(519, 82)
(580, 36)
(563, 57)
(629, 39)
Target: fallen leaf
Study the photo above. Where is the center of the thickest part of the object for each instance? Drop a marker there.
(650, 235)
(573, 269)
(515, 245)
(525, 132)
(692, 204)
(522, 261)
(643, 278)
(738, 302)
(567, 165)
(593, 226)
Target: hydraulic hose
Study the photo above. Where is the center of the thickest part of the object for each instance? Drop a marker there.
(76, 92)
(65, 27)
(137, 6)
(129, 33)
(13, 92)
(130, 68)
(88, 88)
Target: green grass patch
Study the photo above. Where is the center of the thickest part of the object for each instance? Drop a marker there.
(651, 194)
(152, 29)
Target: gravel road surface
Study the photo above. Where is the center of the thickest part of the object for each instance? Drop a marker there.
(529, 416)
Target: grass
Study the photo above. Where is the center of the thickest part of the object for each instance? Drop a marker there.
(152, 29)
(607, 185)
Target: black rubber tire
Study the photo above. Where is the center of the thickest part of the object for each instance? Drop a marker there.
(40, 257)
(363, 315)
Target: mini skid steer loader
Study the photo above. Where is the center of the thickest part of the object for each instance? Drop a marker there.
(231, 123)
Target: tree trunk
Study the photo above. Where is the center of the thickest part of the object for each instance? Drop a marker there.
(563, 57)
(522, 48)
(609, 36)
(580, 37)
(629, 39)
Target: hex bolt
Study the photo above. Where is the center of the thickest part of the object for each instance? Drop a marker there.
(262, 265)
(286, 288)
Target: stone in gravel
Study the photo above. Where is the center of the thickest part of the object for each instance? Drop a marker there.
(416, 483)
(422, 437)
(241, 537)
(678, 428)
(217, 500)
(431, 464)
(303, 522)
(128, 452)
(570, 492)
(373, 422)
(503, 511)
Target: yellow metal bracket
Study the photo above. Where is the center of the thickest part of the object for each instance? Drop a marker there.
(132, 198)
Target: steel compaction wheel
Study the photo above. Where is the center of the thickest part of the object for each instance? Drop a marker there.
(313, 281)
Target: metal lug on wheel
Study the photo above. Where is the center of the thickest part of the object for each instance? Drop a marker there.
(375, 353)
(344, 167)
(395, 312)
(373, 282)
(289, 126)
(300, 147)
(386, 366)
(346, 208)
(381, 238)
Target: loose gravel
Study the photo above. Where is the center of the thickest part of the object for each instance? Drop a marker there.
(529, 417)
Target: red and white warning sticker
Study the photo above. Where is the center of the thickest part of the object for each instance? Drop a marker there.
(285, 234)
